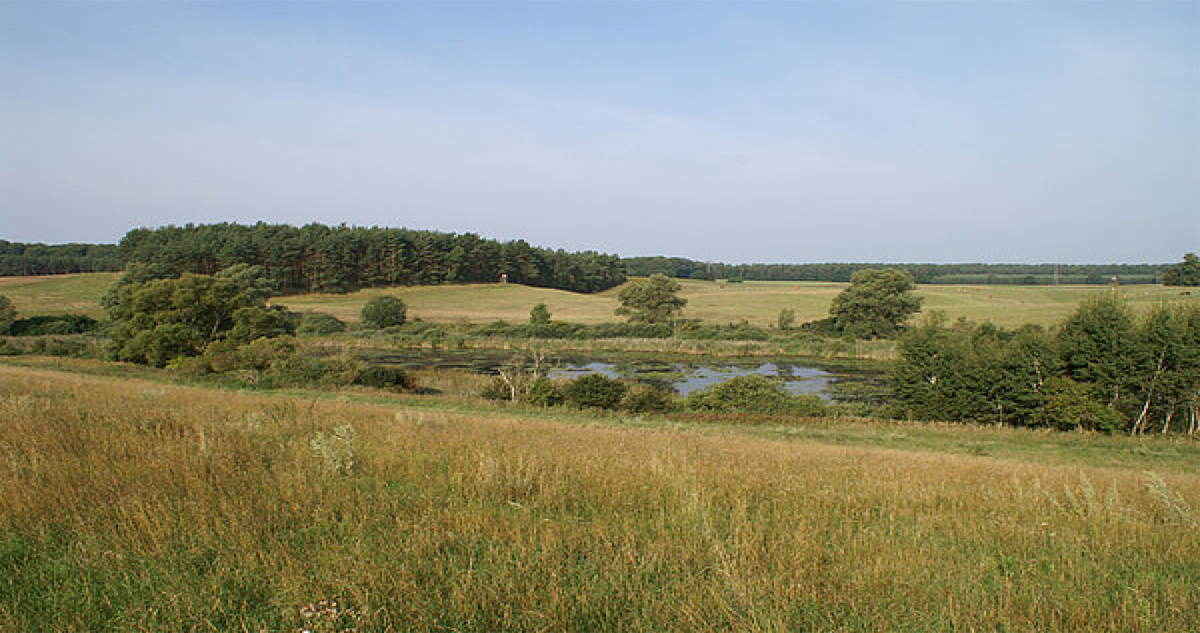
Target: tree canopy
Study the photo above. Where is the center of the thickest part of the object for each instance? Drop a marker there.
(652, 300)
(157, 321)
(1185, 273)
(876, 304)
(318, 258)
(384, 311)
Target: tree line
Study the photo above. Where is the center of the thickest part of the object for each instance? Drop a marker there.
(1013, 274)
(318, 258)
(1102, 369)
(22, 259)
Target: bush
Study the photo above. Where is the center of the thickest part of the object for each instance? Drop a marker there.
(56, 324)
(596, 391)
(544, 392)
(320, 324)
(383, 311)
(496, 389)
(385, 377)
(731, 332)
(754, 394)
(647, 399)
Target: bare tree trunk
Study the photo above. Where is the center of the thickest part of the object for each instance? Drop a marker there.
(1170, 413)
(1149, 395)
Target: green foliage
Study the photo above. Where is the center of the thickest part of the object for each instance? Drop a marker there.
(22, 259)
(385, 377)
(786, 319)
(998, 274)
(255, 280)
(135, 274)
(1103, 370)
(383, 311)
(543, 392)
(648, 399)
(316, 258)
(1185, 273)
(539, 315)
(594, 390)
(8, 314)
(320, 324)
(653, 300)
(52, 324)
(973, 373)
(575, 331)
(743, 331)
(1098, 347)
(1069, 406)
(156, 321)
(753, 394)
(877, 303)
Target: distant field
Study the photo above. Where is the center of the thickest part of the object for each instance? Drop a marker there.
(138, 505)
(757, 302)
(56, 294)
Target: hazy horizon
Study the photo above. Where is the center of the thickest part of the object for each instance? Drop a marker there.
(983, 132)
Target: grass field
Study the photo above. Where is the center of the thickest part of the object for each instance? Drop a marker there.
(136, 505)
(56, 294)
(757, 302)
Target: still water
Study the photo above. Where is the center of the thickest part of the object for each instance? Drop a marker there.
(829, 381)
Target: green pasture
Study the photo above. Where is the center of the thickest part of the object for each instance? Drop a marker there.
(57, 294)
(756, 302)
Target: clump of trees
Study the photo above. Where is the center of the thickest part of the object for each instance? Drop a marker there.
(1103, 369)
(317, 258)
(157, 321)
(1185, 273)
(652, 300)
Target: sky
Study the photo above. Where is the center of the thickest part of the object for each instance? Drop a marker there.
(720, 131)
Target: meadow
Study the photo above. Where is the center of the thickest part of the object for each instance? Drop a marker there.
(756, 302)
(139, 505)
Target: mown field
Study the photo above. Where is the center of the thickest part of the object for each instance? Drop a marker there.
(757, 302)
(139, 505)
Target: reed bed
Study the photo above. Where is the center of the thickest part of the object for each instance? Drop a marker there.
(132, 505)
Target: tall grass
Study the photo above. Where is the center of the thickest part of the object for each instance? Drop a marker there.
(130, 505)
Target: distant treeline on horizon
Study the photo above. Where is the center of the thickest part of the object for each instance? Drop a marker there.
(1011, 274)
(318, 258)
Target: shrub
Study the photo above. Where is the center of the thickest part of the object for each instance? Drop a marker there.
(383, 311)
(754, 394)
(385, 377)
(596, 391)
(320, 324)
(56, 324)
(544, 392)
(496, 389)
(647, 399)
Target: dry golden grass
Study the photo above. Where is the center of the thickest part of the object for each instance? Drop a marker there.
(131, 505)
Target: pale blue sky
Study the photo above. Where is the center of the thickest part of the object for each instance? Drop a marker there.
(740, 131)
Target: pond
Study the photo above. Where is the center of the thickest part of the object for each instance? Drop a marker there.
(831, 381)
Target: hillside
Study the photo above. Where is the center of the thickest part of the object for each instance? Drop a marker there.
(141, 505)
(757, 302)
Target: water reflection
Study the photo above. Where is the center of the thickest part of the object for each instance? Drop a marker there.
(684, 377)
